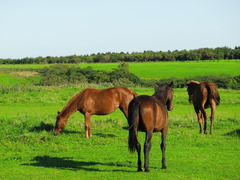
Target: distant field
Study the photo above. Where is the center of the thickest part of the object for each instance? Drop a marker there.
(159, 70)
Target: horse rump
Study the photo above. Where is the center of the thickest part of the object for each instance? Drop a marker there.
(213, 92)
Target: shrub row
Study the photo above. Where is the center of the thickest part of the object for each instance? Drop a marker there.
(121, 76)
(222, 81)
(63, 74)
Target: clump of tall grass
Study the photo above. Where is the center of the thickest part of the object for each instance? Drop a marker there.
(18, 88)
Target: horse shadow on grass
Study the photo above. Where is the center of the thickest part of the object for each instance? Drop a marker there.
(65, 163)
(49, 128)
(42, 127)
(104, 135)
(234, 133)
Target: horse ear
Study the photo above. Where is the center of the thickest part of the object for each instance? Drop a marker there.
(58, 112)
(171, 84)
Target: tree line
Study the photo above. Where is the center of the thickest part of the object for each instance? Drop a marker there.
(218, 53)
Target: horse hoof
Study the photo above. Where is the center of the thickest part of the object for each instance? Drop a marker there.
(147, 170)
(139, 170)
(164, 167)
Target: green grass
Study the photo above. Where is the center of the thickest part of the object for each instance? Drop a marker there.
(161, 70)
(29, 150)
(158, 70)
(7, 80)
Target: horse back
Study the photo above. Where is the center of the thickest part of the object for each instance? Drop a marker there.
(152, 114)
(104, 101)
(98, 101)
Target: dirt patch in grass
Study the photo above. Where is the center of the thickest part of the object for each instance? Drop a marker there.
(25, 73)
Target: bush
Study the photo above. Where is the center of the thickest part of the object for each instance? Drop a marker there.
(63, 74)
(222, 81)
(121, 76)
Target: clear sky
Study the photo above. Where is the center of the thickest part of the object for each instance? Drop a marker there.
(32, 28)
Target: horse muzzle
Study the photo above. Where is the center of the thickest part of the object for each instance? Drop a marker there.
(170, 108)
(57, 131)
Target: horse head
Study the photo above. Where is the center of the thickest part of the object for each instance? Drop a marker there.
(169, 103)
(190, 93)
(190, 89)
(60, 124)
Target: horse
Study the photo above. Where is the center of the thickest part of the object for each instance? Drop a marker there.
(92, 101)
(203, 95)
(149, 114)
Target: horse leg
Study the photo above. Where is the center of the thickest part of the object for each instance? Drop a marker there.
(88, 132)
(199, 119)
(147, 147)
(205, 120)
(163, 148)
(213, 107)
(138, 147)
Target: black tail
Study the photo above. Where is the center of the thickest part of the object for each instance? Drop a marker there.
(133, 118)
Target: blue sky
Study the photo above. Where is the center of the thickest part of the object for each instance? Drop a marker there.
(32, 28)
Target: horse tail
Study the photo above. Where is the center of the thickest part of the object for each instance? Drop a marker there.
(133, 118)
(133, 93)
(213, 93)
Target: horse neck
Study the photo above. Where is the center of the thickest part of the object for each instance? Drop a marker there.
(195, 85)
(68, 110)
(161, 96)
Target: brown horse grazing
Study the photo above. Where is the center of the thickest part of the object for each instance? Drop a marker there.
(149, 114)
(203, 95)
(95, 102)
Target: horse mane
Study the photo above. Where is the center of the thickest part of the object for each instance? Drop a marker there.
(160, 88)
(193, 82)
(71, 102)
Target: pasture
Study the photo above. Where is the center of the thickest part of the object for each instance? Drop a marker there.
(29, 150)
(161, 70)
(156, 70)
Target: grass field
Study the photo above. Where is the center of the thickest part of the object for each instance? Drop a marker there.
(29, 150)
(160, 70)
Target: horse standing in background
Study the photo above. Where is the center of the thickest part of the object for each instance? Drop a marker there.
(203, 95)
(149, 114)
(92, 101)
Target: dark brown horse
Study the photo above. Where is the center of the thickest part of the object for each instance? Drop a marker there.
(95, 102)
(203, 95)
(149, 114)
